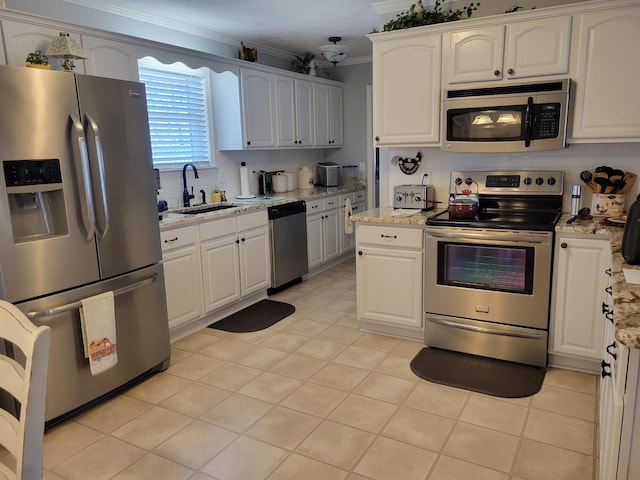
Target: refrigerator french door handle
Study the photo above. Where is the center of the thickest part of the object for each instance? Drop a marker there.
(75, 305)
(101, 175)
(86, 207)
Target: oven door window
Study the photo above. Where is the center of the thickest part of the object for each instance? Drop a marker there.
(486, 267)
(490, 124)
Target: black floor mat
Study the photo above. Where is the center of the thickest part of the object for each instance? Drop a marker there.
(256, 317)
(479, 374)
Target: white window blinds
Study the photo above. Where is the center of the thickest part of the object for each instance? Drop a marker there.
(178, 114)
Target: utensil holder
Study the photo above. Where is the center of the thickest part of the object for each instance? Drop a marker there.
(607, 205)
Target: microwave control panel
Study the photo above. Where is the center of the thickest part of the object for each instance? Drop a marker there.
(546, 120)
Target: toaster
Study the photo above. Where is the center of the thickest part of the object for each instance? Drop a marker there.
(414, 196)
(327, 174)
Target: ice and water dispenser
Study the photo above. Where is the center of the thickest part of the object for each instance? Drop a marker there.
(36, 199)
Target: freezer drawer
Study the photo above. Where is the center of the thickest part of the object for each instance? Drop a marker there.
(142, 338)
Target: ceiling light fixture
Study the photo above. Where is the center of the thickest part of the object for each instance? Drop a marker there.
(66, 48)
(335, 53)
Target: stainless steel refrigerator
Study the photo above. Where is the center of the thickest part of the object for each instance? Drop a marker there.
(79, 217)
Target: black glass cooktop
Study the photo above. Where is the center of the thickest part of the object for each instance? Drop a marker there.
(512, 215)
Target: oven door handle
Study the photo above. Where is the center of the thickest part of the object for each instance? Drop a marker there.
(493, 236)
(490, 331)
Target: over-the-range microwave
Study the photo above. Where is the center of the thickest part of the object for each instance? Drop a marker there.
(507, 118)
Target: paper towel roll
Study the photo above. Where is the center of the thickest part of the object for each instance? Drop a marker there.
(244, 181)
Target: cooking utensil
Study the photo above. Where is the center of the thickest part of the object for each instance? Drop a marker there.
(463, 207)
(583, 213)
(629, 179)
(585, 176)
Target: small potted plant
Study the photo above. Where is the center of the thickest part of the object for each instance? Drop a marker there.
(38, 59)
(303, 64)
(216, 195)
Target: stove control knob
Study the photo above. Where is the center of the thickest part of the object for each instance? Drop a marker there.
(539, 181)
(527, 180)
(458, 181)
(551, 181)
(417, 198)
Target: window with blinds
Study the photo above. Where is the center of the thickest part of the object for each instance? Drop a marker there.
(177, 99)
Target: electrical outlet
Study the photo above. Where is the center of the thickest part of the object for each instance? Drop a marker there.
(220, 177)
(362, 167)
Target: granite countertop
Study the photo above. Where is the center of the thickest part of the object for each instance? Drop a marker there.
(393, 216)
(171, 218)
(626, 296)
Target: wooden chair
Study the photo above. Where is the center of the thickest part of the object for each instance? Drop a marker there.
(24, 359)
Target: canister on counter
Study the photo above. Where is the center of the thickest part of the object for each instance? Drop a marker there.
(575, 199)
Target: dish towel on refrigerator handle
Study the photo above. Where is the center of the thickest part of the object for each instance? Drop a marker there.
(97, 316)
(348, 224)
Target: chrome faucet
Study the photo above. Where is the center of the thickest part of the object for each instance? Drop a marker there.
(186, 196)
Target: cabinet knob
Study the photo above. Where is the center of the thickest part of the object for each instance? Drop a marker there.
(243, 239)
(377, 138)
(563, 245)
(359, 252)
(249, 143)
(496, 73)
(511, 71)
(237, 241)
(171, 240)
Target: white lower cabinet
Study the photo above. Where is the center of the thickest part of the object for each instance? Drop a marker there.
(322, 230)
(389, 263)
(577, 325)
(182, 278)
(235, 258)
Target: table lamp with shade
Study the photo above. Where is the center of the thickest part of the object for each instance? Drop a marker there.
(67, 49)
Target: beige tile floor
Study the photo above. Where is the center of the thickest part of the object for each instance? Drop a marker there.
(313, 398)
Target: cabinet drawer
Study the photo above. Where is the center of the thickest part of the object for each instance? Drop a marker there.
(314, 206)
(178, 238)
(343, 199)
(359, 196)
(389, 236)
(329, 203)
(253, 220)
(218, 228)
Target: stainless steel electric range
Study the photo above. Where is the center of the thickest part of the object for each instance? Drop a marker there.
(487, 278)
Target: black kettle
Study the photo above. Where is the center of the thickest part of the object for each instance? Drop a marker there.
(631, 235)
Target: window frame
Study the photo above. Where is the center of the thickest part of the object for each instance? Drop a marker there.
(151, 63)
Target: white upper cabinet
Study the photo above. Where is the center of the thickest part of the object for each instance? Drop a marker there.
(21, 38)
(406, 89)
(295, 112)
(328, 115)
(607, 64)
(112, 59)
(258, 108)
(523, 49)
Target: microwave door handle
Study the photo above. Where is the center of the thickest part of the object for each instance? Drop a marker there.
(91, 123)
(528, 123)
(82, 166)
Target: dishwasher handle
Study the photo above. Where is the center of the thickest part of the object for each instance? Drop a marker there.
(287, 209)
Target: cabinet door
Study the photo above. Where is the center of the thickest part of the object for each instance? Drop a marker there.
(331, 234)
(221, 275)
(389, 286)
(258, 108)
(321, 105)
(475, 55)
(406, 89)
(111, 59)
(537, 47)
(335, 116)
(579, 289)
(183, 285)
(255, 260)
(305, 113)
(21, 38)
(608, 68)
(315, 242)
(286, 111)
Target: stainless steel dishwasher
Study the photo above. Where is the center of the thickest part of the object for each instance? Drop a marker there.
(288, 231)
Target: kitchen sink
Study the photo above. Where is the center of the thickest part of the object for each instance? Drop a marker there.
(203, 209)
